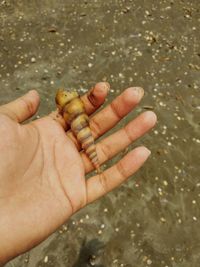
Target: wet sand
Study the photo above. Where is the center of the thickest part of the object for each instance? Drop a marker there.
(154, 218)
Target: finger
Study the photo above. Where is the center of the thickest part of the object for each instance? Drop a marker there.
(92, 100)
(113, 113)
(22, 108)
(95, 97)
(113, 144)
(103, 183)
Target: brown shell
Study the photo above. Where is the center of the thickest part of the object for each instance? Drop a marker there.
(72, 109)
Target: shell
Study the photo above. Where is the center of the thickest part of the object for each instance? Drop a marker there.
(73, 111)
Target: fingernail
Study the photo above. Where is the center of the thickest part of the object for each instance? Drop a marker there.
(139, 90)
(31, 92)
(148, 152)
(101, 87)
(107, 86)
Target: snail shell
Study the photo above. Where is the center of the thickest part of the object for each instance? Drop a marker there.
(72, 109)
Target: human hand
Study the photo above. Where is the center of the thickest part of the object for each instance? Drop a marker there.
(42, 170)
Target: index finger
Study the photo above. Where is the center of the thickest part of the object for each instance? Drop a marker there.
(108, 117)
(93, 99)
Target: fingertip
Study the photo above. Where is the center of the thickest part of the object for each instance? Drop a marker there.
(97, 95)
(34, 94)
(150, 117)
(101, 88)
(133, 95)
(134, 160)
(139, 91)
(142, 152)
(139, 155)
(31, 100)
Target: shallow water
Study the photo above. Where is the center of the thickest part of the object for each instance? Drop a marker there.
(154, 218)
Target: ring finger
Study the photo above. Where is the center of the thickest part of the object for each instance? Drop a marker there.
(113, 144)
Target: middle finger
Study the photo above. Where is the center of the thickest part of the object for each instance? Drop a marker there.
(108, 117)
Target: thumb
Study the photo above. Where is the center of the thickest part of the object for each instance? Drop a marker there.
(22, 108)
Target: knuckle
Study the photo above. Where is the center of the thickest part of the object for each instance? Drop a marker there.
(103, 183)
(128, 135)
(6, 111)
(121, 169)
(95, 127)
(106, 151)
(83, 202)
(29, 105)
(93, 99)
(115, 110)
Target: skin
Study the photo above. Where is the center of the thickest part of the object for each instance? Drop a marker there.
(42, 170)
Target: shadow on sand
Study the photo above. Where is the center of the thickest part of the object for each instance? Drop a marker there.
(90, 254)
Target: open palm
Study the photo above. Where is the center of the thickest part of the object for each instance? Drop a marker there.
(42, 169)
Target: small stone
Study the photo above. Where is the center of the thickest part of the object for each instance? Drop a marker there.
(163, 220)
(149, 262)
(65, 228)
(102, 226)
(92, 260)
(121, 75)
(165, 183)
(33, 60)
(46, 259)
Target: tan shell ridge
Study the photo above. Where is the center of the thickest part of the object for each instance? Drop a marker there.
(80, 127)
(74, 114)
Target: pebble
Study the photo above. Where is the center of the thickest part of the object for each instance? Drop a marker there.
(165, 183)
(46, 259)
(33, 60)
(149, 262)
(163, 220)
(102, 226)
(100, 232)
(194, 218)
(179, 221)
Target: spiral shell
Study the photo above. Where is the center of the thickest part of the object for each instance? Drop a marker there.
(72, 109)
